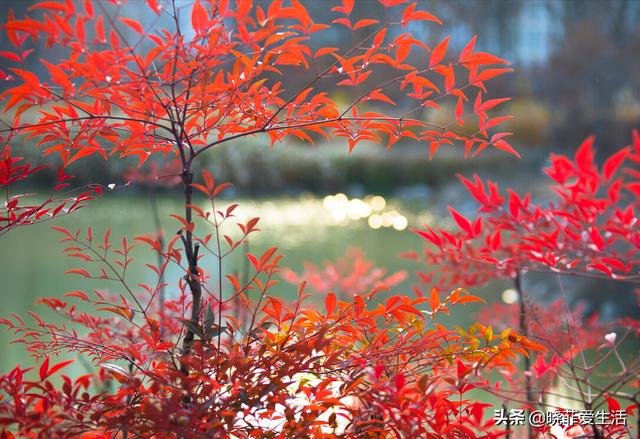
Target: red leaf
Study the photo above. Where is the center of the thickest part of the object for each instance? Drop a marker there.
(346, 8)
(613, 163)
(495, 121)
(475, 188)
(209, 181)
(80, 271)
(596, 238)
(51, 6)
(477, 226)
(490, 73)
(59, 77)
(100, 35)
(462, 222)
(220, 188)
(118, 372)
(59, 366)
(438, 53)
(199, 17)
(411, 14)
(514, 203)
(616, 263)
(424, 15)
(399, 381)
(88, 7)
(469, 299)
(430, 236)
(12, 56)
(460, 111)
(585, 154)
(364, 23)
(79, 294)
(433, 147)
(330, 303)
(491, 103)
(633, 187)
(44, 368)
(133, 24)
(467, 49)
(406, 15)
(234, 280)
(325, 51)
(153, 4)
(480, 58)
(613, 405)
(29, 78)
(504, 145)
(600, 267)
(254, 261)
(184, 222)
(434, 300)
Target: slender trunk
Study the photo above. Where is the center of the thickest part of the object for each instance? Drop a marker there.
(597, 434)
(192, 277)
(524, 330)
(507, 427)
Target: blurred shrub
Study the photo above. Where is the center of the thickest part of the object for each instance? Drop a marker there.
(531, 122)
(329, 167)
(294, 168)
(627, 108)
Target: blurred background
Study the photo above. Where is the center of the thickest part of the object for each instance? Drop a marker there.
(577, 73)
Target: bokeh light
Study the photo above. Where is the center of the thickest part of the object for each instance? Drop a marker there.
(375, 221)
(510, 296)
(400, 222)
(342, 210)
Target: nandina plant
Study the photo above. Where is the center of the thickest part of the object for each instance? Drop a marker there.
(222, 355)
(350, 368)
(589, 230)
(20, 209)
(125, 90)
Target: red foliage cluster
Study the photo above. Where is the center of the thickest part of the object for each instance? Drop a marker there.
(354, 368)
(21, 209)
(225, 82)
(589, 230)
(351, 273)
(591, 227)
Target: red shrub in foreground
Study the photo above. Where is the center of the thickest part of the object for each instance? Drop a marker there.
(589, 230)
(354, 368)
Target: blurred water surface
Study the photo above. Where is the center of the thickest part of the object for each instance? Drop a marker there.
(305, 228)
